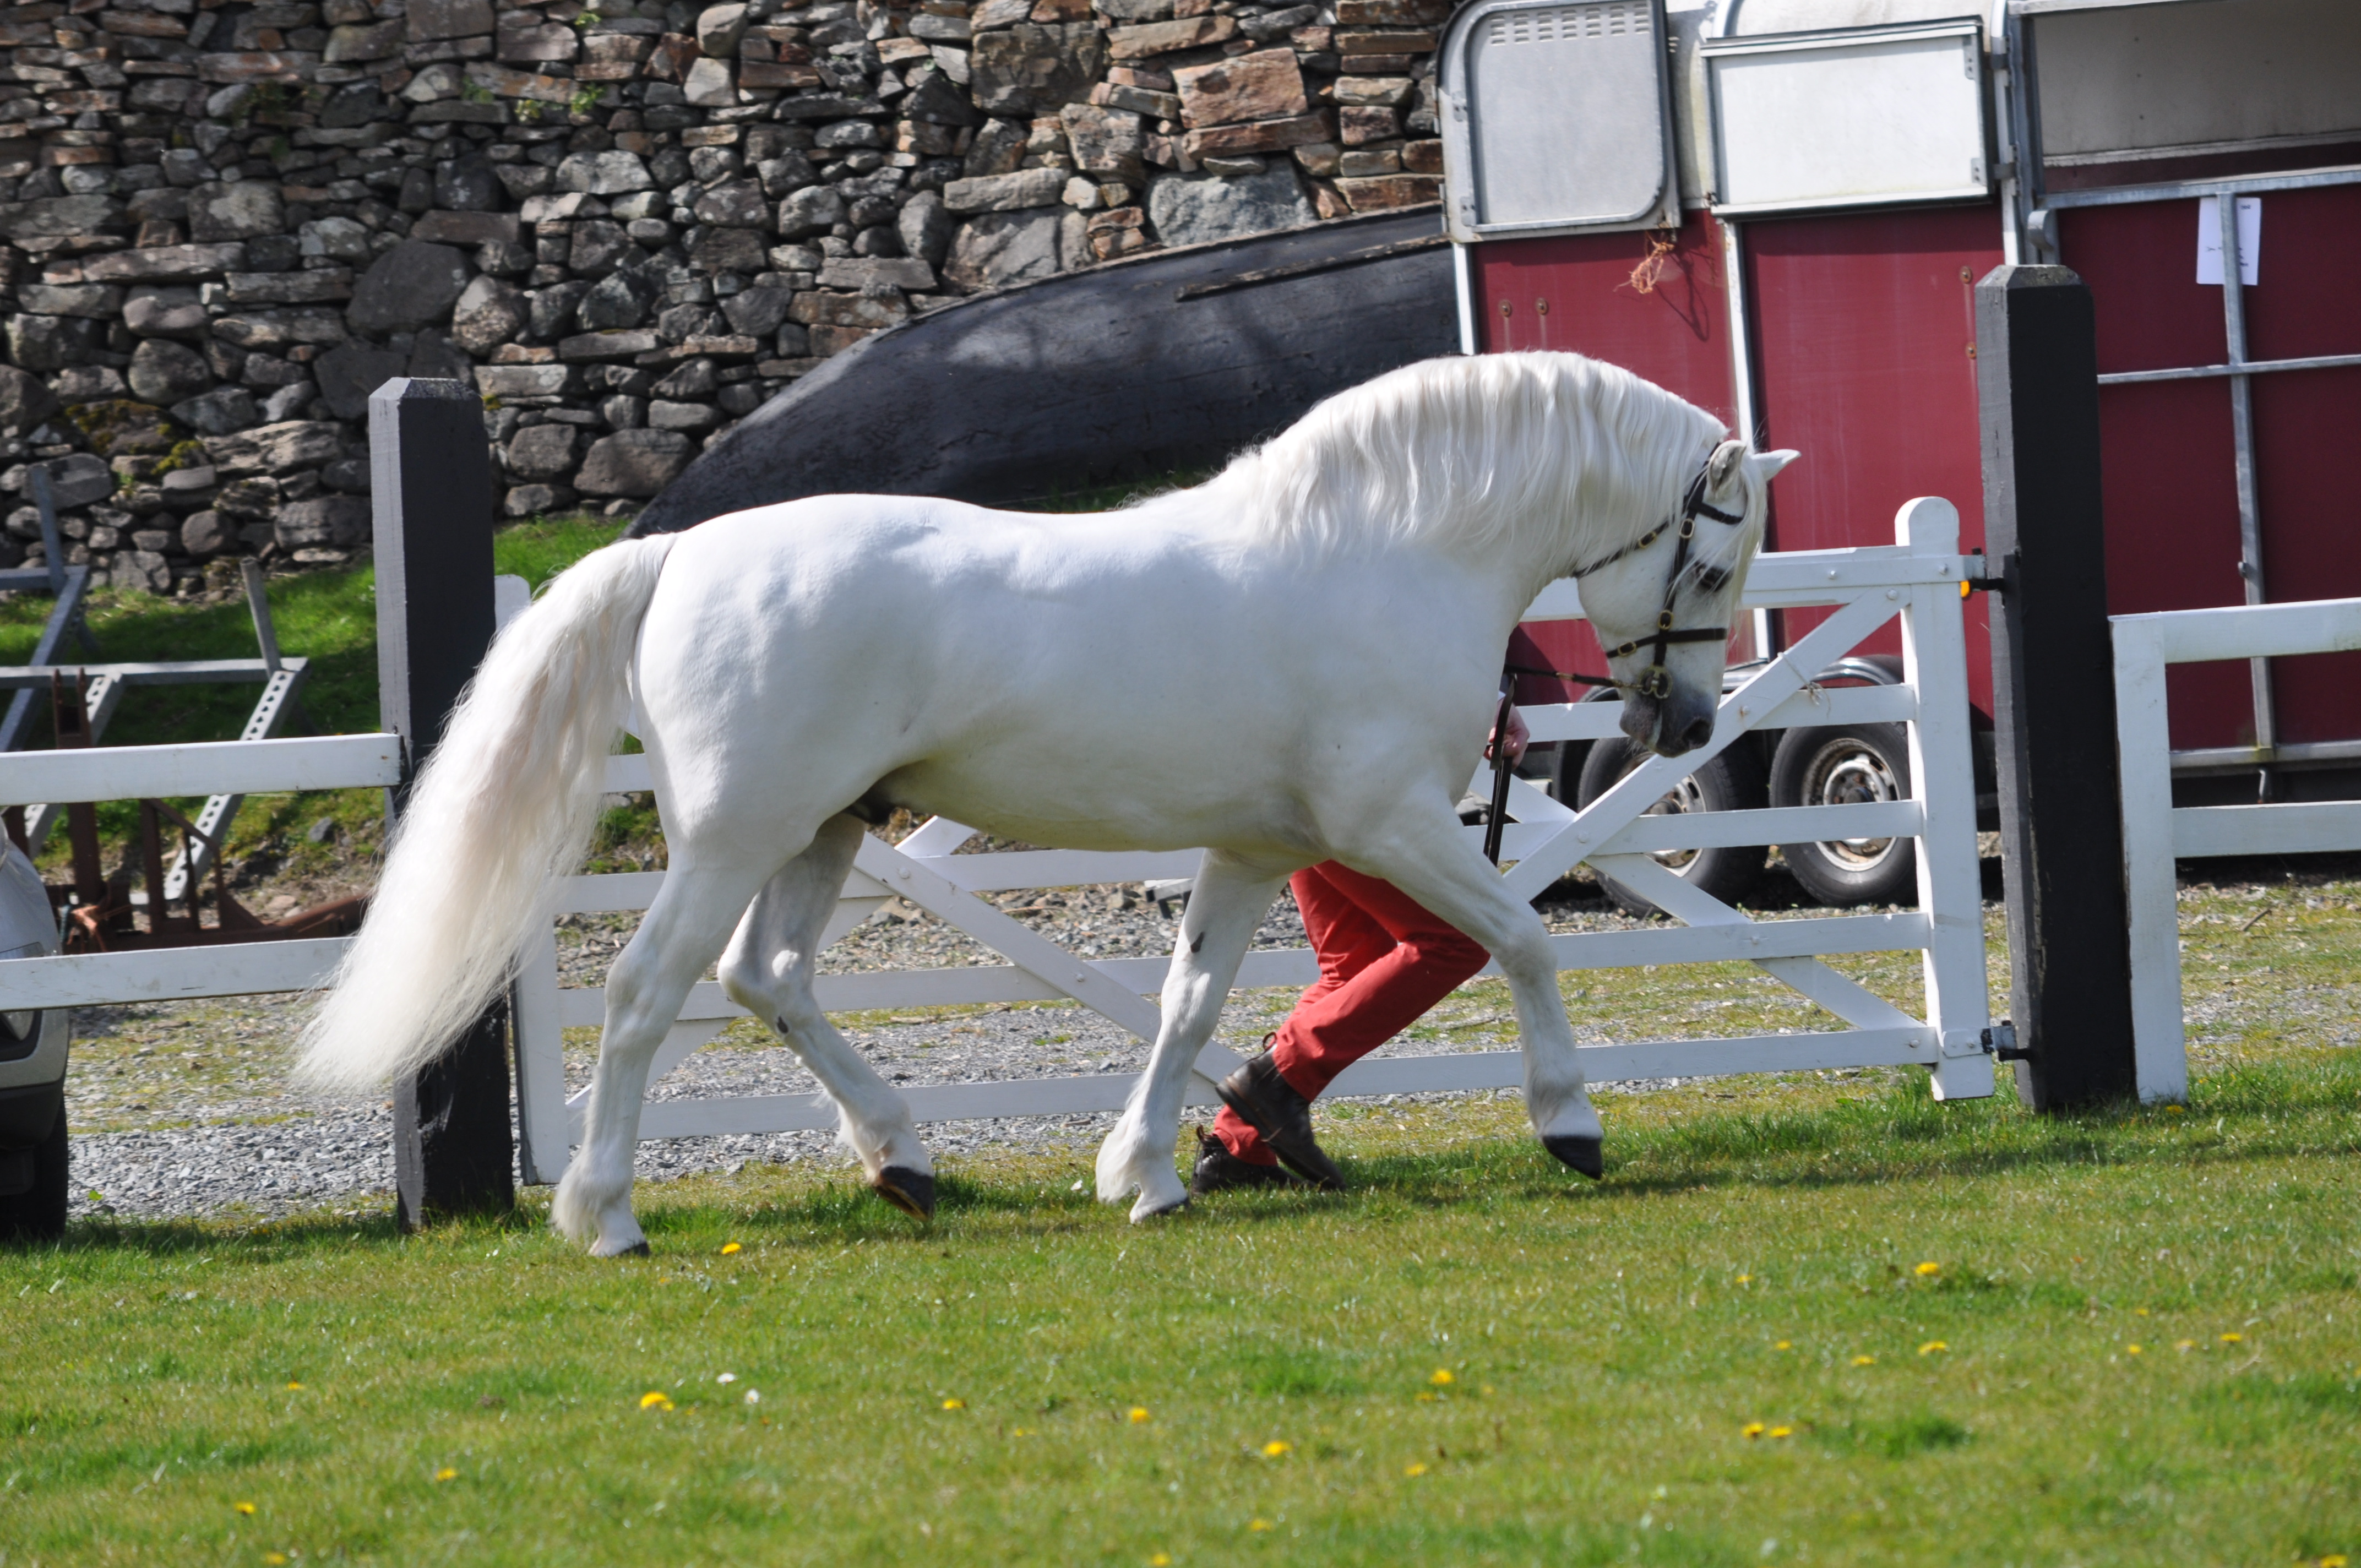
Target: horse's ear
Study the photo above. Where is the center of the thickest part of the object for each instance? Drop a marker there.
(1722, 466)
(1768, 463)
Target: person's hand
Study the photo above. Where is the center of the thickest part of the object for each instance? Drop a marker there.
(1518, 738)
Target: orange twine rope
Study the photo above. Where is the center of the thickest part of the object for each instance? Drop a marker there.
(1652, 267)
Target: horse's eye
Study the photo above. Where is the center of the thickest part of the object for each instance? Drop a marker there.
(1713, 578)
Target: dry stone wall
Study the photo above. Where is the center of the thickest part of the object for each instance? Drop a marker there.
(627, 225)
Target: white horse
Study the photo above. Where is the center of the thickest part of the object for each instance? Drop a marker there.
(1294, 662)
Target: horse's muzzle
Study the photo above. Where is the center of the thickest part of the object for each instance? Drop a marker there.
(1668, 726)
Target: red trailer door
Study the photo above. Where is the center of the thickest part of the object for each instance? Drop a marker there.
(1590, 294)
(2170, 450)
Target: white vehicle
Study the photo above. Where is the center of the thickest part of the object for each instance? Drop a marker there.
(32, 1071)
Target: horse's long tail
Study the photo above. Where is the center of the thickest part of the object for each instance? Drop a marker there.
(508, 801)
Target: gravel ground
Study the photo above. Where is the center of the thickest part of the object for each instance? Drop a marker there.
(184, 1109)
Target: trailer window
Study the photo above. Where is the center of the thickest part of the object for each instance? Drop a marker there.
(1848, 117)
(1555, 117)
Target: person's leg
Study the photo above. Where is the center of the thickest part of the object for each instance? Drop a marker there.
(1346, 939)
(1425, 961)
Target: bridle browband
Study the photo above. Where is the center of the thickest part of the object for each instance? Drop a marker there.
(1655, 681)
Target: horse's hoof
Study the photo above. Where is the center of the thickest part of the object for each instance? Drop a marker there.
(637, 1249)
(912, 1191)
(1585, 1154)
(1141, 1212)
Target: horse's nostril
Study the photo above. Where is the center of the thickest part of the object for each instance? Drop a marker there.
(1699, 732)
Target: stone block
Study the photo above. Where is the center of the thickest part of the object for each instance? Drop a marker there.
(43, 344)
(1391, 12)
(728, 250)
(411, 286)
(733, 203)
(163, 372)
(1391, 92)
(1153, 38)
(240, 67)
(821, 308)
(635, 464)
(814, 210)
(1262, 85)
(614, 344)
(222, 411)
(827, 341)
(338, 522)
(869, 272)
(1106, 141)
(349, 372)
(78, 479)
(605, 173)
(165, 262)
(544, 452)
(757, 313)
(278, 448)
(1194, 209)
(720, 28)
(787, 74)
(1422, 157)
(535, 501)
(1359, 125)
(466, 228)
(1030, 67)
(290, 288)
(507, 381)
(338, 239)
(1261, 136)
(693, 418)
(358, 43)
(433, 19)
(710, 84)
(204, 533)
(1138, 100)
(103, 301)
(25, 400)
(59, 217)
(997, 248)
(1006, 192)
(490, 312)
(1391, 191)
(521, 42)
(924, 224)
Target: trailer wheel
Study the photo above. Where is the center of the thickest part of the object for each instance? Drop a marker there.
(1731, 782)
(1846, 766)
(39, 1214)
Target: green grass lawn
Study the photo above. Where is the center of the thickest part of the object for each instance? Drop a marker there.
(1833, 1323)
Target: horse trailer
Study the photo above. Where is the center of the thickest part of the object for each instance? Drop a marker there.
(1780, 209)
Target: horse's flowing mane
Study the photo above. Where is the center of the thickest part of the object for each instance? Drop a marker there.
(1470, 451)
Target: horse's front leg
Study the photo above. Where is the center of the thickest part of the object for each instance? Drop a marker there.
(1224, 908)
(1428, 856)
(682, 933)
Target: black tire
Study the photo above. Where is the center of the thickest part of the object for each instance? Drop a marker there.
(1731, 782)
(39, 1214)
(1838, 765)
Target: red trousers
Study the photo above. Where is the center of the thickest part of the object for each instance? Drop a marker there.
(1383, 962)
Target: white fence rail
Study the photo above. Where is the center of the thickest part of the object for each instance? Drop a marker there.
(1916, 580)
(2155, 831)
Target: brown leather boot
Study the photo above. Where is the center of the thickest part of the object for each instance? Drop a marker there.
(1271, 1105)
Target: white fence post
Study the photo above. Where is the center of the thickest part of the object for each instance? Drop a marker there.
(1942, 775)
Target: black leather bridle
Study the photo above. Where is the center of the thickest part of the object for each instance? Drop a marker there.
(1655, 681)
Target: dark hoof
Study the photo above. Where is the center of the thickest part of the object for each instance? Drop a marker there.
(639, 1251)
(1586, 1155)
(911, 1191)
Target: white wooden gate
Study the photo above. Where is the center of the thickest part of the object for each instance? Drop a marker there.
(2154, 833)
(1917, 579)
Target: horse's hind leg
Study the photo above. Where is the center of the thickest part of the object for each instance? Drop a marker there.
(768, 972)
(682, 933)
(1225, 907)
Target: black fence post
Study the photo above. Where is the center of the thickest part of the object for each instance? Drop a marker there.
(430, 482)
(2053, 688)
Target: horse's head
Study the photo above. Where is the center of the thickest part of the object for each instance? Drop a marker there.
(1663, 609)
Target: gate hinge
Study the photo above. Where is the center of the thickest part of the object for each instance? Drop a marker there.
(1961, 1043)
(2000, 1041)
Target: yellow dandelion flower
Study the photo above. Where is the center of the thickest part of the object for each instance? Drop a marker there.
(656, 1399)
(275, 1559)
(2233, 1339)
(1257, 1524)
(1277, 1447)
(1442, 1376)
(447, 1474)
(294, 1388)
(2184, 1344)
(1746, 1279)
(2334, 1560)
(1160, 1560)
(2183, 1111)
(1782, 1431)
(1414, 1470)
(1021, 1431)
(1931, 1347)
(1864, 1361)
(245, 1509)
(1138, 1415)
(1752, 1429)
(954, 1404)
(731, 1249)
(1782, 1345)
(1928, 1270)
(2139, 1311)
(2135, 1350)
